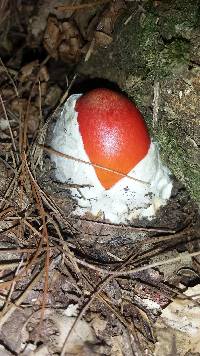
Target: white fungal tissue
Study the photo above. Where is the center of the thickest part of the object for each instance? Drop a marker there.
(128, 199)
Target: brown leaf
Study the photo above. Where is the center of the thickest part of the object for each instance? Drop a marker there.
(102, 39)
(71, 50)
(52, 36)
(20, 106)
(110, 16)
(44, 74)
(69, 30)
(53, 96)
(27, 70)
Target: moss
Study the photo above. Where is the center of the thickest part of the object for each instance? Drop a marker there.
(137, 44)
(178, 160)
(148, 41)
(155, 45)
(140, 49)
(178, 19)
(173, 59)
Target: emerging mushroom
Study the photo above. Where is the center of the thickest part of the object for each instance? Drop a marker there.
(125, 178)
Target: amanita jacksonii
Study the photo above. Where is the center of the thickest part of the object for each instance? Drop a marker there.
(104, 128)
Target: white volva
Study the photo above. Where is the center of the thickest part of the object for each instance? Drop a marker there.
(127, 199)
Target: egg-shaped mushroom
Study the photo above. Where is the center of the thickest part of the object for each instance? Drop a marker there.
(113, 159)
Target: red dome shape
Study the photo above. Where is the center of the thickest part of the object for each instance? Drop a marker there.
(113, 131)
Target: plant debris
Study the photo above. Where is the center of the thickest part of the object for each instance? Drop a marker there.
(71, 285)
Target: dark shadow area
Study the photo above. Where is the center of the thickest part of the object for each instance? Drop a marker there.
(84, 84)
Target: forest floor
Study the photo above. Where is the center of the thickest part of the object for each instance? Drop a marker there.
(74, 286)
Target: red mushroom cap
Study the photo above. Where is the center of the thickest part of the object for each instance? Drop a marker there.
(113, 131)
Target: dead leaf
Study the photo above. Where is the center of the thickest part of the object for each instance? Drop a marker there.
(102, 39)
(110, 16)
(178, 327)
(27, 70)
(19, 106)
(53, 95)
(52, 36)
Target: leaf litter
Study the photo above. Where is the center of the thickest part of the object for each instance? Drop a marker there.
(68, 285)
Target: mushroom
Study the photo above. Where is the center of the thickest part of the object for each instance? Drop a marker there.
(114, 133)
(113, 158)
